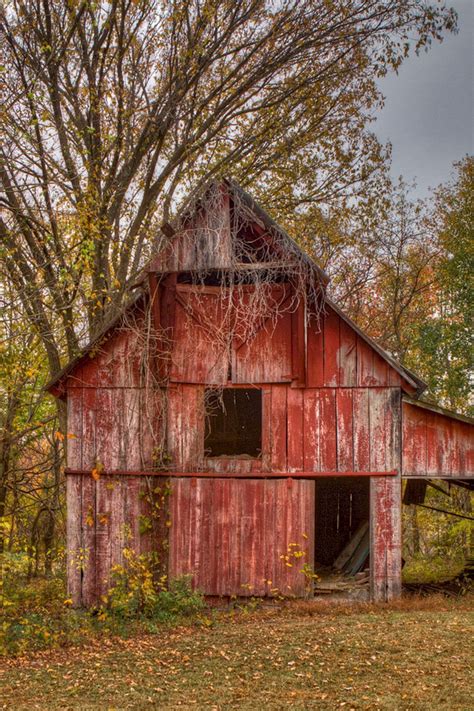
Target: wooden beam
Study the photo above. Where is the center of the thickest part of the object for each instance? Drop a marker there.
(233, 475)
(445, 511)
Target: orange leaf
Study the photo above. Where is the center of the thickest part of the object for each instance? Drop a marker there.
(97, 471)
(59, 436)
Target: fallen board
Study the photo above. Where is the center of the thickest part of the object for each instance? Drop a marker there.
(346, 553)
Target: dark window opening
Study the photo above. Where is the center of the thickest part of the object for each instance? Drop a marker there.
(233, 422)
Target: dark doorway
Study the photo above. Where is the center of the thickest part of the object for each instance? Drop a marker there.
(233, 422)
(342, 508)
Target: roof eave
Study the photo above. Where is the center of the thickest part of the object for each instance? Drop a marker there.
(434, 407)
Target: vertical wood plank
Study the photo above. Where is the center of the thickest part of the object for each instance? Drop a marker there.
(74, 537)
(266, 428)
(175, 425)
(311, 427)
(414, 441)
(347, 355)
(315, 352)
(365, 361)
(88, 524)
(298, 355)
(385, 495)
(331, 348)
(278, 425)
(345, 439)
(432, 447)
(102, 541)
(74, 428)
(380, 370)
(362, 440)
(327, 429)
(295, 424)
(192, 433)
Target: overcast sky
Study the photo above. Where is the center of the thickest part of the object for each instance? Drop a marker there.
(428, 113)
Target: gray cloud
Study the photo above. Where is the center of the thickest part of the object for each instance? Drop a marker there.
(428, 113)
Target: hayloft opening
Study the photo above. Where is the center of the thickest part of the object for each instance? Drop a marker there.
(239, 275)
(233, 422)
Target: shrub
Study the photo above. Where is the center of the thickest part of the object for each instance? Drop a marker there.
(35, 614)
(136, 593)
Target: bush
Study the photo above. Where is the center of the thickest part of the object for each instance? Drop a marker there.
(136, 593)
(36, 614)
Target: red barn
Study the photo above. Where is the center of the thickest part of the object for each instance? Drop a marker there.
(237, 423)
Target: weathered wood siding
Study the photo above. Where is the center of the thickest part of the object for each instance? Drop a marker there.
(232, 535)
(339, 357)
(113, 423)
(435, 445)
(334, 409)
(385, 497)
(203, 240)
(104, 518)
(312, 430)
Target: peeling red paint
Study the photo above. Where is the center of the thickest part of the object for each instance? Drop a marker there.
(331, 405)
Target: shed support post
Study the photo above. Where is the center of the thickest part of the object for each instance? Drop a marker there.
(385, 538)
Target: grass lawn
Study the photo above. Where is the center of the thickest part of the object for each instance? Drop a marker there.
(301, 656)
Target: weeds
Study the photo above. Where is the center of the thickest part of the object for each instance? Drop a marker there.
(36, 614)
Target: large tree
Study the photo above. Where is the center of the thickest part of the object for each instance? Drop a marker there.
(389, 285)
(445, 343)
(112, 109)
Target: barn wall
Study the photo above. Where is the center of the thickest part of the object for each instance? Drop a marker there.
(435, 445)
(113, 425)
(203, 239)
(338, 356)
(104, 518)
(232, 535)
(346, 419)
(312, 430)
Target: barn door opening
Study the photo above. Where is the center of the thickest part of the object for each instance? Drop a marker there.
(341, 550)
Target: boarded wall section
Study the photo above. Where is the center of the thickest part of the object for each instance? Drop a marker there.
(242, 537)
(303, 430)
(436, 445)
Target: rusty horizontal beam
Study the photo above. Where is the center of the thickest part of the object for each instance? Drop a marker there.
(231, 475)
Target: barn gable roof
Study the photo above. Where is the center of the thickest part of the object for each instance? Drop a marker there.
(158, 263)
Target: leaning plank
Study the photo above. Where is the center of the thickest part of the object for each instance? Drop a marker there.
(359, 557)
(346, 553)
